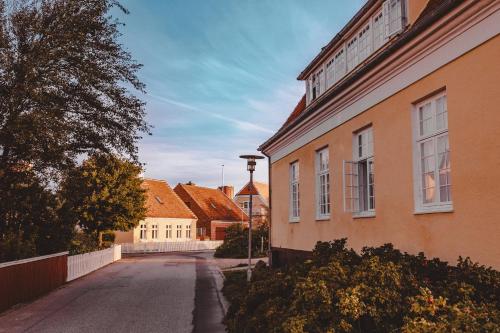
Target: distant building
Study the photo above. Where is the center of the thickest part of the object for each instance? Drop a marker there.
(260, 201)
(167, 217)
(214, 209)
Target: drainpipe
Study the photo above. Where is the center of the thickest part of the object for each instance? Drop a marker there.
(269, 245)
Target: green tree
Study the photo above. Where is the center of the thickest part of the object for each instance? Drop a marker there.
(29, 217)
(104, 194)
(64, 84)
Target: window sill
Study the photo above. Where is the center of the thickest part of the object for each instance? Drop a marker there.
(434, 209)
(363, 215)
(293, 221)
(322, 218)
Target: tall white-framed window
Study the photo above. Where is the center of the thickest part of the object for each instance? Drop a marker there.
(143, 232)
(352, 53)
(179, 231)
(432, 155)
(322, 184)
(340, 67)
(294, 192)
(168, 232)
(154, 231)
(394, 16)
(378, 30)
(359, 176)
(188, 231)
(364, 43)
(330, 72)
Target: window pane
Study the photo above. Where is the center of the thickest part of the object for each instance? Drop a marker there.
(428, 171)
(441, 113)
(444, 168)
(425, 118)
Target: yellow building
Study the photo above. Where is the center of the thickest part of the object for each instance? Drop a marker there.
(397, 138)
(167, 217)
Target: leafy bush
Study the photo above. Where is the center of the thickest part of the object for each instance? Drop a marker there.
(379, 290)
(236, 242)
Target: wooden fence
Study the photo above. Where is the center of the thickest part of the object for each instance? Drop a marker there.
(82, 264)
(24, 280)
(181, 246)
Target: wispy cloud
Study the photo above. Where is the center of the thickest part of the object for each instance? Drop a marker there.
(221, 77)
(244, 125)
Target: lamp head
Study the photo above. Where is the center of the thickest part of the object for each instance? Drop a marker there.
(251, 161)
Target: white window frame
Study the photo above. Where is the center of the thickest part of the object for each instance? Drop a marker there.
(340, 63)
(294, 201)
(363, 161)
(330, 72)
(179, 231)
(143, 232)
(394, 12)
(352, 53)
(188, 231)
(378, 30)
(433, 136)
(154, 231)
(323, 204)
(365, 47)
(168, 232)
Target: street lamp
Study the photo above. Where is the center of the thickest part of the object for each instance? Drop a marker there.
(251, 162)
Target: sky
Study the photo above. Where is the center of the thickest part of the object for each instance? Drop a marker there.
(220, 78)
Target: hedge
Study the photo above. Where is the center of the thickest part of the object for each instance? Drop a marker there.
(379, 290)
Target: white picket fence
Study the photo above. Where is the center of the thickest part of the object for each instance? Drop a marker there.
(181, 246)
(82, 264)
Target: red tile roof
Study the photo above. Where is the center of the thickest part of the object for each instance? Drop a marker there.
(299, 108)
(161, 201)
(260, 188)
(209, 203)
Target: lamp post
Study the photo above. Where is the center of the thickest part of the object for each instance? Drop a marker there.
(251, 162)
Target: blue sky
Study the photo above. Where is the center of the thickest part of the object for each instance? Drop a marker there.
(221, 77)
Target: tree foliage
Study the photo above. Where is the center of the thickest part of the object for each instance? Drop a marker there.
(379, 290)
(64, 80)
(103, 194)
(67, 90)
(29, 217)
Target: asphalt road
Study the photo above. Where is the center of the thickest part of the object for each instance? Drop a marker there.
(151, 293)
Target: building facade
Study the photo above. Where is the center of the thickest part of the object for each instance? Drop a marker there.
(397, 137)
(167, 217)
(260, 201)
(213, 208)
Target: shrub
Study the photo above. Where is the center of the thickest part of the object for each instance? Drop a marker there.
(379, 290)
(236, 242)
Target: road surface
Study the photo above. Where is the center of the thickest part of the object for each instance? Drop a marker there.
(150, 293)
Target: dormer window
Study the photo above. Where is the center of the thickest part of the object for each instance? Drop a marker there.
(358, 47)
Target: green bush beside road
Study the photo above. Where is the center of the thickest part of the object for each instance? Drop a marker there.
(379, 290)
(236, 242)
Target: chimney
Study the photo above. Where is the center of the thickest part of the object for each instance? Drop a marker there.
(227, 190)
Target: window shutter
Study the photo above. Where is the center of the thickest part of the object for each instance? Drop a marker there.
(351, 186)
(385, 14)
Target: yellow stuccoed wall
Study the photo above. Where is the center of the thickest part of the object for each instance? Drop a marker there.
(473, 229)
